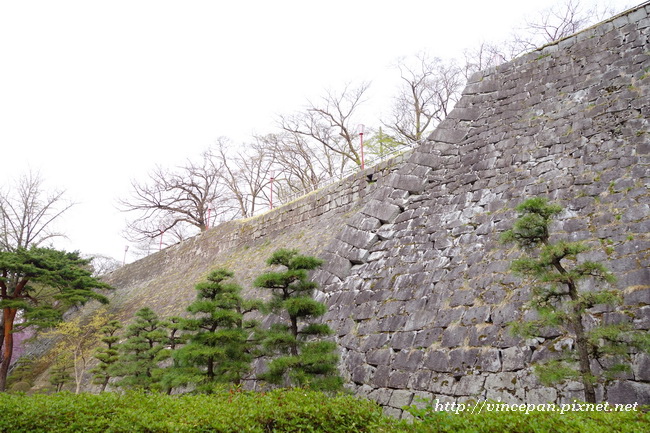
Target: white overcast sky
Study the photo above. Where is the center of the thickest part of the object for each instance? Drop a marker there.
(96, 93)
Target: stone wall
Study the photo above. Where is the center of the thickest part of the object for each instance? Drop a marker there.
(417, 283)
(165, 280)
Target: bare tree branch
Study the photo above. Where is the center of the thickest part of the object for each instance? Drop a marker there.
(326, 129)
(557, 22)
(176, 202)
(28, 213)
(245, 171)
(430, 88)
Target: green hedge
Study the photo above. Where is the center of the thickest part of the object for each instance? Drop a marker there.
(282, 411)
(429, 421)
(276, 411)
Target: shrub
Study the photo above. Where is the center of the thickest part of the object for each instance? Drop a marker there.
(280, 410)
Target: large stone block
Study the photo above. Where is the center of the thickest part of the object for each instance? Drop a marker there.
(379, 357)
(454, 336)
(357, 238)
(382, 211)
(628, 392)
(401, 398)
(470, 386)
(408, 360)
(438, 361)
(406, 182)
(515, 358)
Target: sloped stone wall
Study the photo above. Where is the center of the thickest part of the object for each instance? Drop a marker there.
(417, 283)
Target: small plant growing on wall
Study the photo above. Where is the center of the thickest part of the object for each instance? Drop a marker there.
(563, 305)
(301, 357)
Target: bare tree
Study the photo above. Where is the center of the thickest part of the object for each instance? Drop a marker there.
(101, 264)
(549, 25)
(327, 130)
(246, 171)
(27, 217)
(176, 202)
(485, 55)
(28, 213)
(430, 88)
(299, 166)
(557, 22)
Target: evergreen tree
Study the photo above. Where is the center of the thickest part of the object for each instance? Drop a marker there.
(22, 372)
(219, 348)
(141, 352)
(562, 304)
(302, 357)
(40, 284)
(60, 373)
(107, 355)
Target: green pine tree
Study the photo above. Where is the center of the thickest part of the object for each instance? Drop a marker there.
(40, 284)
(23, 372)
(219, 346)
(301, 357)
(561, 305)
(107, 355)
(141, 353)
(60, 373)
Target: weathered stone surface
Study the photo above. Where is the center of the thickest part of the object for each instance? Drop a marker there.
(400, 398)
(358, 238)
(628, 392)
(382, 211)
(451, 136)
(515, 358)
(470, 386)
(641, 367)
(379, 357)
(407, 182)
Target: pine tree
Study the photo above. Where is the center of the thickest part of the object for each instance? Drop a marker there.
(60, 373)
(563, 305)
(40, 284)
(219, 347)
(141, 353)
(301, 357)
(22, 373)
(107, 355)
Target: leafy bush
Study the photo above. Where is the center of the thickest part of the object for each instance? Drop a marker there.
(280, 410)
(428, 420)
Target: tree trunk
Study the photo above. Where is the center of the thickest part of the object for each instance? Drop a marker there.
(2, 336)
(581, 340)
(8, 315)
(583, 358)
(104, 384)
(294, 331)
(210, 370)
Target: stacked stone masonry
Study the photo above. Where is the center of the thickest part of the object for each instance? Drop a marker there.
(418, 286)
(416, 283)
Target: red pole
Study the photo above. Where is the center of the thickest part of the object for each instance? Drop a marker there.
(363, 165)
(271, 191)
(207, 224)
